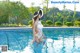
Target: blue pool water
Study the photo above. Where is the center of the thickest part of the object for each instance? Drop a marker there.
(65, 40)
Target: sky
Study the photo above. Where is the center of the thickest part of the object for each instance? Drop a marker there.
(70, 6)
(60, 6)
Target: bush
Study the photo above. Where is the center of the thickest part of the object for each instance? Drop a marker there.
(77, 23)
(69, 23)
(49, 22)
(58, 23)
(30, 23)
(43, 22)
(8, 25)
(11, 25)
(4, 25)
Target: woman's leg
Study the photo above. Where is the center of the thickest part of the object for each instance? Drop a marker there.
(37, 39)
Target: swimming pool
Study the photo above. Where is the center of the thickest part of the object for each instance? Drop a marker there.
(66, 40)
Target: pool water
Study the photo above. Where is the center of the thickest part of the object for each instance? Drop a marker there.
(59, 40)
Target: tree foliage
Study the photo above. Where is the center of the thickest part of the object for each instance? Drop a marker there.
(17, 13)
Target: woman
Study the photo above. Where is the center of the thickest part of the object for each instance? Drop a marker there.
(37, 27)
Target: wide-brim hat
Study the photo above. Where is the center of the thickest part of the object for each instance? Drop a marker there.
(36, 14)
(40, 12)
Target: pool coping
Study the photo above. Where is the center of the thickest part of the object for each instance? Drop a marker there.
(31, 27)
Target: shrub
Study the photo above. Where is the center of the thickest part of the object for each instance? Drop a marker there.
(30, 23)
(77, 23)
(58, 23)
(11, 25)
(8, 25)
(43, 22)
(69, 23)
(49, 22)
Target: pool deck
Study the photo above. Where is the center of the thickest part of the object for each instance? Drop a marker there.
(31, 27)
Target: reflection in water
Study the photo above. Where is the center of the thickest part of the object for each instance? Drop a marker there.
(58, 41)
(63, 48)
(64, 40)
(73, 43)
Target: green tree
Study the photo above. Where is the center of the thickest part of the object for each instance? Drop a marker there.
(47, 3)
(63, 13)
(74, 15)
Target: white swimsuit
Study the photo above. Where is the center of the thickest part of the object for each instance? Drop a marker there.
(39, 27)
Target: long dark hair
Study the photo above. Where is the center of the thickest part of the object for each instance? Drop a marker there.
(36, 14)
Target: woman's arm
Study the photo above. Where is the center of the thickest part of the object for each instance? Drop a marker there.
(33, 26)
